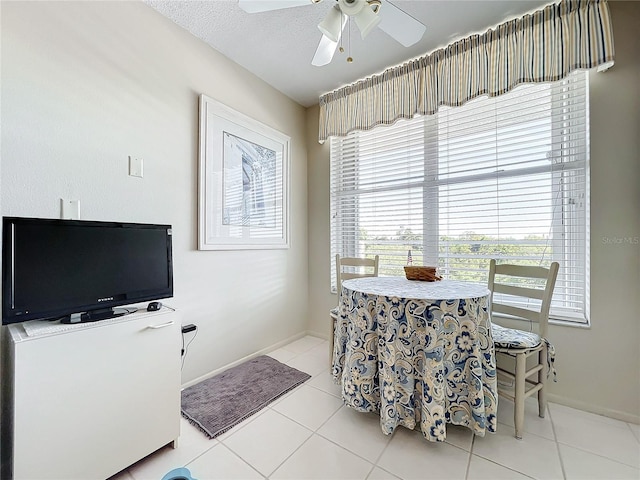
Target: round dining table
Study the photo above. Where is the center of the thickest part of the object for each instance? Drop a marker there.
(419, 353)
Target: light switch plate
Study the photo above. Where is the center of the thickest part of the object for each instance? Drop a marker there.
(70, 209)
(135, 167)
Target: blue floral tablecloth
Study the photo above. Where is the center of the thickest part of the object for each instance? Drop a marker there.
(420, 353)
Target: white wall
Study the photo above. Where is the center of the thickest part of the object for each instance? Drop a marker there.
(321, 300)
(85, 85)
(598, 368)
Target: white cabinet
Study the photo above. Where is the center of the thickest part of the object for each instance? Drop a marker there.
(90, 401)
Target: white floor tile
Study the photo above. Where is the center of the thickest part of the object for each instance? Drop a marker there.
(322, 349)
(358, 432)
(313, 362)
(482, 469)
(581, 465)
(532, 422)
(461, 437)
(319, 458)
(282, 355)
(608, 438)
(410, 456)
(268, 441)
(533, 455)
(220, 463)
(379, 474)
(324, 381)
(279, 441)
(304, 344)
(308, 406)
(558, 410)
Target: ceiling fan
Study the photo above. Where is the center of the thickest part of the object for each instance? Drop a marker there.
(367, 14)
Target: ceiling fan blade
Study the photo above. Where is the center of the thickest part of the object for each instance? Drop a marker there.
(325, 51)
(400, 25)
(327, 47)
(257, 6)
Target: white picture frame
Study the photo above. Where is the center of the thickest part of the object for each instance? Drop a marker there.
(243, 181)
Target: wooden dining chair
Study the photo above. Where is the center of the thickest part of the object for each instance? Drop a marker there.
(346, 268)
(533, 286)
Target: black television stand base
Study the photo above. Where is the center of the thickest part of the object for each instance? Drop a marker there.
(94, 316)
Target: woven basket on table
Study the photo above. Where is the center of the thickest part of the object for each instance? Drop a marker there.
(425, 274)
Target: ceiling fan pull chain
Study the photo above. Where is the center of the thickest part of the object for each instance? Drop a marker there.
(341, 48)
(349, 58)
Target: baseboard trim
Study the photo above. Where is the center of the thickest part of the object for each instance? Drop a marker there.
(586, 407)
(568, 402)
(323, 336)
(264, 351)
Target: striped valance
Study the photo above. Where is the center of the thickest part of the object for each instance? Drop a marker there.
(541, 47)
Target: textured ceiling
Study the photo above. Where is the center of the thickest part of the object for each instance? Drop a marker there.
(278, 46)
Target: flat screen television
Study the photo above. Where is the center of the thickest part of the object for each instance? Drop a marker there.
(55, 268)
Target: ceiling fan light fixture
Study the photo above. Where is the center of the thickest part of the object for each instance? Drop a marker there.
(331, 26)
(352, 7)
(367, 20)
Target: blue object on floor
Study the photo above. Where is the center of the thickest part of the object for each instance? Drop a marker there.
(179, 474)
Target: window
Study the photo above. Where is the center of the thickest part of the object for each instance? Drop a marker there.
(503, 177)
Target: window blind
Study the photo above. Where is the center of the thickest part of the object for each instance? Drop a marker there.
(503, 177)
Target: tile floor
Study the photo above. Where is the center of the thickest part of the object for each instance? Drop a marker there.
(309, 434)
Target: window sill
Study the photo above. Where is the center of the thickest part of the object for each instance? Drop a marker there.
(574, 322)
